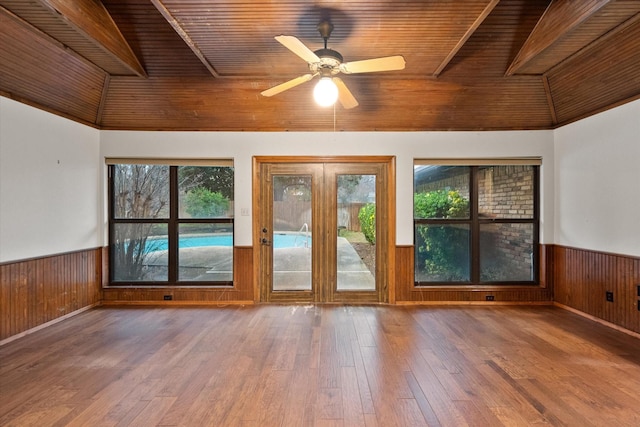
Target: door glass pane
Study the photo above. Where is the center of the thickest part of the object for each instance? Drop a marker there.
(356, 241)
(205, 252)
(506, 252)
(291, 233)
(442, 253)
(139, 252)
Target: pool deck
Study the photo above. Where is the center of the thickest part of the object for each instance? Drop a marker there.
(291, 270)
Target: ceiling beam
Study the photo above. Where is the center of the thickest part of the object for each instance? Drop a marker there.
(552, 107)
(92, 19)
(183, 34)
(560, 18)
(487, 10)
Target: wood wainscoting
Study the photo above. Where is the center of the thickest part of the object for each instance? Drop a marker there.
(242, 293)
(40, 291)
(36, 292)
(407, 293)
(583, 278)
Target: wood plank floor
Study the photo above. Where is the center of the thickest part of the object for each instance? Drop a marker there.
(277, 365)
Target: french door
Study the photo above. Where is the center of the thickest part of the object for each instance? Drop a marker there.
(323, 229)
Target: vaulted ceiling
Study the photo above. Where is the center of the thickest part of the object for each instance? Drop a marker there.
(202, 64)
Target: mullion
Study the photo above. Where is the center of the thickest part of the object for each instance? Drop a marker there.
(140, 220)
(173, 226)
(111, 222)
(436, 222)
(507, 221)
(474, 256)
(536, 224)
(205, 220)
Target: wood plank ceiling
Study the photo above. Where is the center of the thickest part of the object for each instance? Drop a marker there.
(201, 65)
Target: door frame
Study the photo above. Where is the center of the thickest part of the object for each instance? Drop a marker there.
(387, 279)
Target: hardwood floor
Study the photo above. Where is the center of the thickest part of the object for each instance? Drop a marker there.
(326, 365)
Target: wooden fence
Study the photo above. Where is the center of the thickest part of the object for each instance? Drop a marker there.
(292, 215)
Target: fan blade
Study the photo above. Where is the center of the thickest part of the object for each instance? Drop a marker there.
(287, 85)
(344, 94)
(297, 47)
(388, 63)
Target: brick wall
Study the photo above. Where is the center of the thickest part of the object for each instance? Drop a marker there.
(506, 192)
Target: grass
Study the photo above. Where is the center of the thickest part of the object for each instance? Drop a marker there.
(352, 236)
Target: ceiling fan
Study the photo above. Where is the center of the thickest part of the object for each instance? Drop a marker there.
(327, 63)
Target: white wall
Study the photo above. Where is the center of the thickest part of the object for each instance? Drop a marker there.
(50, 183)
(52, 188)
(597, 182)
(52, 174)
(241, 146)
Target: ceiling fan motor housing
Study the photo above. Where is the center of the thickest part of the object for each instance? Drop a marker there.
(329, 64)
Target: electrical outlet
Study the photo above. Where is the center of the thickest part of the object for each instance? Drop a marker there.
(490, 298)
(168, 297)
(609, 296)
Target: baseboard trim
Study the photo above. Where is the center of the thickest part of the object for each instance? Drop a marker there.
(597, 319)
(47, 324)
(175, 303)
(467, 303)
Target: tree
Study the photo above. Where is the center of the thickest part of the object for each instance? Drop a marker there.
(214, 178)
(347, 185)
(204, 203)
(291, 188)
(141, 191)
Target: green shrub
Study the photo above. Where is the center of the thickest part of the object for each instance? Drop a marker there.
(442, 251)
(204, 203)
(440, 204)
(367, 217)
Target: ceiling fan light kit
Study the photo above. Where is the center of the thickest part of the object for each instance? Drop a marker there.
(327, 63)
(326, 92)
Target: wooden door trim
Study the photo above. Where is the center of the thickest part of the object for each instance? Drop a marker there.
(258, 160)
(390, 166)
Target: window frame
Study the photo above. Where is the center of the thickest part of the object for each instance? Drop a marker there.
(173, 222)
(475, 223)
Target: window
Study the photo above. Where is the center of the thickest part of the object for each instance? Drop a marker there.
(476, 224)
(171, 223)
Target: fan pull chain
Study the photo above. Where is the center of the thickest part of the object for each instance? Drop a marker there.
(334, 117)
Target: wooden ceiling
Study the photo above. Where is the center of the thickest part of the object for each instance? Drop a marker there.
(201, 64)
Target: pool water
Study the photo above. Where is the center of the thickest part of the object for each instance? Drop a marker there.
(197, 241)
(279, 241)
(291, 241)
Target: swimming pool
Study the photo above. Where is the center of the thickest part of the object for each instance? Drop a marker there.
(295, 240)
